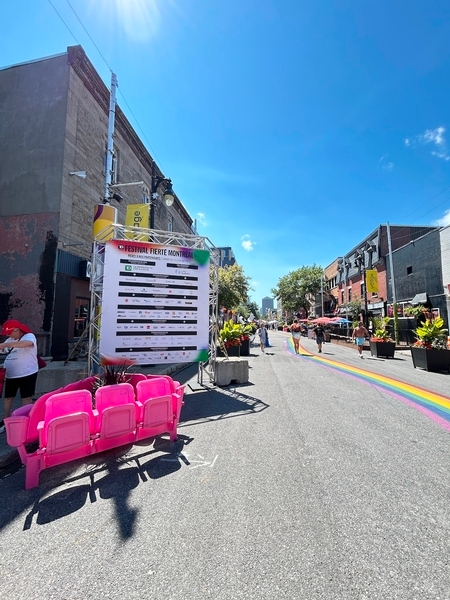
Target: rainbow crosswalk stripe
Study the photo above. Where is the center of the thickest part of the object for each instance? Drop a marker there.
(435, 406)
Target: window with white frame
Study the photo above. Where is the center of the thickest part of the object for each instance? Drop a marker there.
(169, 223)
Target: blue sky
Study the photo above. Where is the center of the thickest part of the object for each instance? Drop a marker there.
(290, 128)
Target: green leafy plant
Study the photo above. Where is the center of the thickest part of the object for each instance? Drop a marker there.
(231, 333)
(414, 311)
(114, 371)
(431, 334)
(381, 330)
(246, 330)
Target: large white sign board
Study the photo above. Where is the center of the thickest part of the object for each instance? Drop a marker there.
(155, 306)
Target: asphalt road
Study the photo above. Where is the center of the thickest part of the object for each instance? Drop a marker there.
(306, 483)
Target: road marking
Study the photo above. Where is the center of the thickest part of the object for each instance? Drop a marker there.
(200, 463)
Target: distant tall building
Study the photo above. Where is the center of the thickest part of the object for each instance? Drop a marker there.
(267, 303)
(226, 256)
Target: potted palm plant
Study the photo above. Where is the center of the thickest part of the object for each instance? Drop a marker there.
(430, 351)
(381, 343)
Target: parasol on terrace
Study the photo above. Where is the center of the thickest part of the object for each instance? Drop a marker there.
(322, 320)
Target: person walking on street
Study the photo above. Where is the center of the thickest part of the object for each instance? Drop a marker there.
(262, 332)
(360, 334)
(296, 332)
(319, 334)
(21, 364)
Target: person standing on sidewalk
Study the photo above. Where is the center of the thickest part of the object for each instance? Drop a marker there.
(296, 332)
(319, 334)
(21, 365)
(360, 334)
(262, 332)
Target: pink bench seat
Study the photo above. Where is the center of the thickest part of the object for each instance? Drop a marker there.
(68, 428)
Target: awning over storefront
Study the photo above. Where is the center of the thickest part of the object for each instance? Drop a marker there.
(420, 299)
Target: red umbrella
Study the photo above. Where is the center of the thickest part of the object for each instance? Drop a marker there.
(322, 320)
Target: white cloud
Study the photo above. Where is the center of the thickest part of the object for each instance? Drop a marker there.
(436, 137)
(247, 244)
(385, 165)
(443, 221)
(202, 218)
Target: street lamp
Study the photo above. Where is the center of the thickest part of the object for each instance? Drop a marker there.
(168, 195)
(361, 265)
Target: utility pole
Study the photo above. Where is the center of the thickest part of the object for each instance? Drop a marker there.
(110, 143)
(391, 266)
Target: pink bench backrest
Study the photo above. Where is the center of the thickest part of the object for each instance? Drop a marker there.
(82, 384)
(156, 397)
(68, 423)
(117, 410)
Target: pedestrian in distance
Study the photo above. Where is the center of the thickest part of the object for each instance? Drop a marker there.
(262, 332)
(21, 365)
(360, 334)
(296, 332)
(267, 336)
(319, 334)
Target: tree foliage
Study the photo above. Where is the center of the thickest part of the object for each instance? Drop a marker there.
(297, 288)
(247, 309)
(234, 287)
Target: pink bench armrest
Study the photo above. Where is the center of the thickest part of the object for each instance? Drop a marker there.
(16, 430)
(22, 411)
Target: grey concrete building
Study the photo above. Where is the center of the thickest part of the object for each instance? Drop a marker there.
(418, 273)
(226, 256)
(54, 122)
(266, 305)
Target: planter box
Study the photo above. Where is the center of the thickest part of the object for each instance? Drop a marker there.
(430, 359)
(385, 349)
(245, 347)
(231, 351)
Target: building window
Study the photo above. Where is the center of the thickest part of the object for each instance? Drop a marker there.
(342, 297)
(408, 270)
(349, 294)
(169, 223)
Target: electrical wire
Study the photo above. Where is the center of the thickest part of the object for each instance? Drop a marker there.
(153, 153)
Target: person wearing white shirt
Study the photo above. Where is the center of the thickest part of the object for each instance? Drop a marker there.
(21, 364)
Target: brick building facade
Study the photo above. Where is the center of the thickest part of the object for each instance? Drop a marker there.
(53, 122)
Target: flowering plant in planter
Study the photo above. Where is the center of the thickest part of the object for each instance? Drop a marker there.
(381, 332)
(431, 334)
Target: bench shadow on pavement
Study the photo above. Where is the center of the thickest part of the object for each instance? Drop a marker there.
(66, 488)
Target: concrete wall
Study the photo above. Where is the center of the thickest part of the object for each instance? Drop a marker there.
(423, 257)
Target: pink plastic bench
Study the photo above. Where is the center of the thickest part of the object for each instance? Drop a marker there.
(68, 428)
